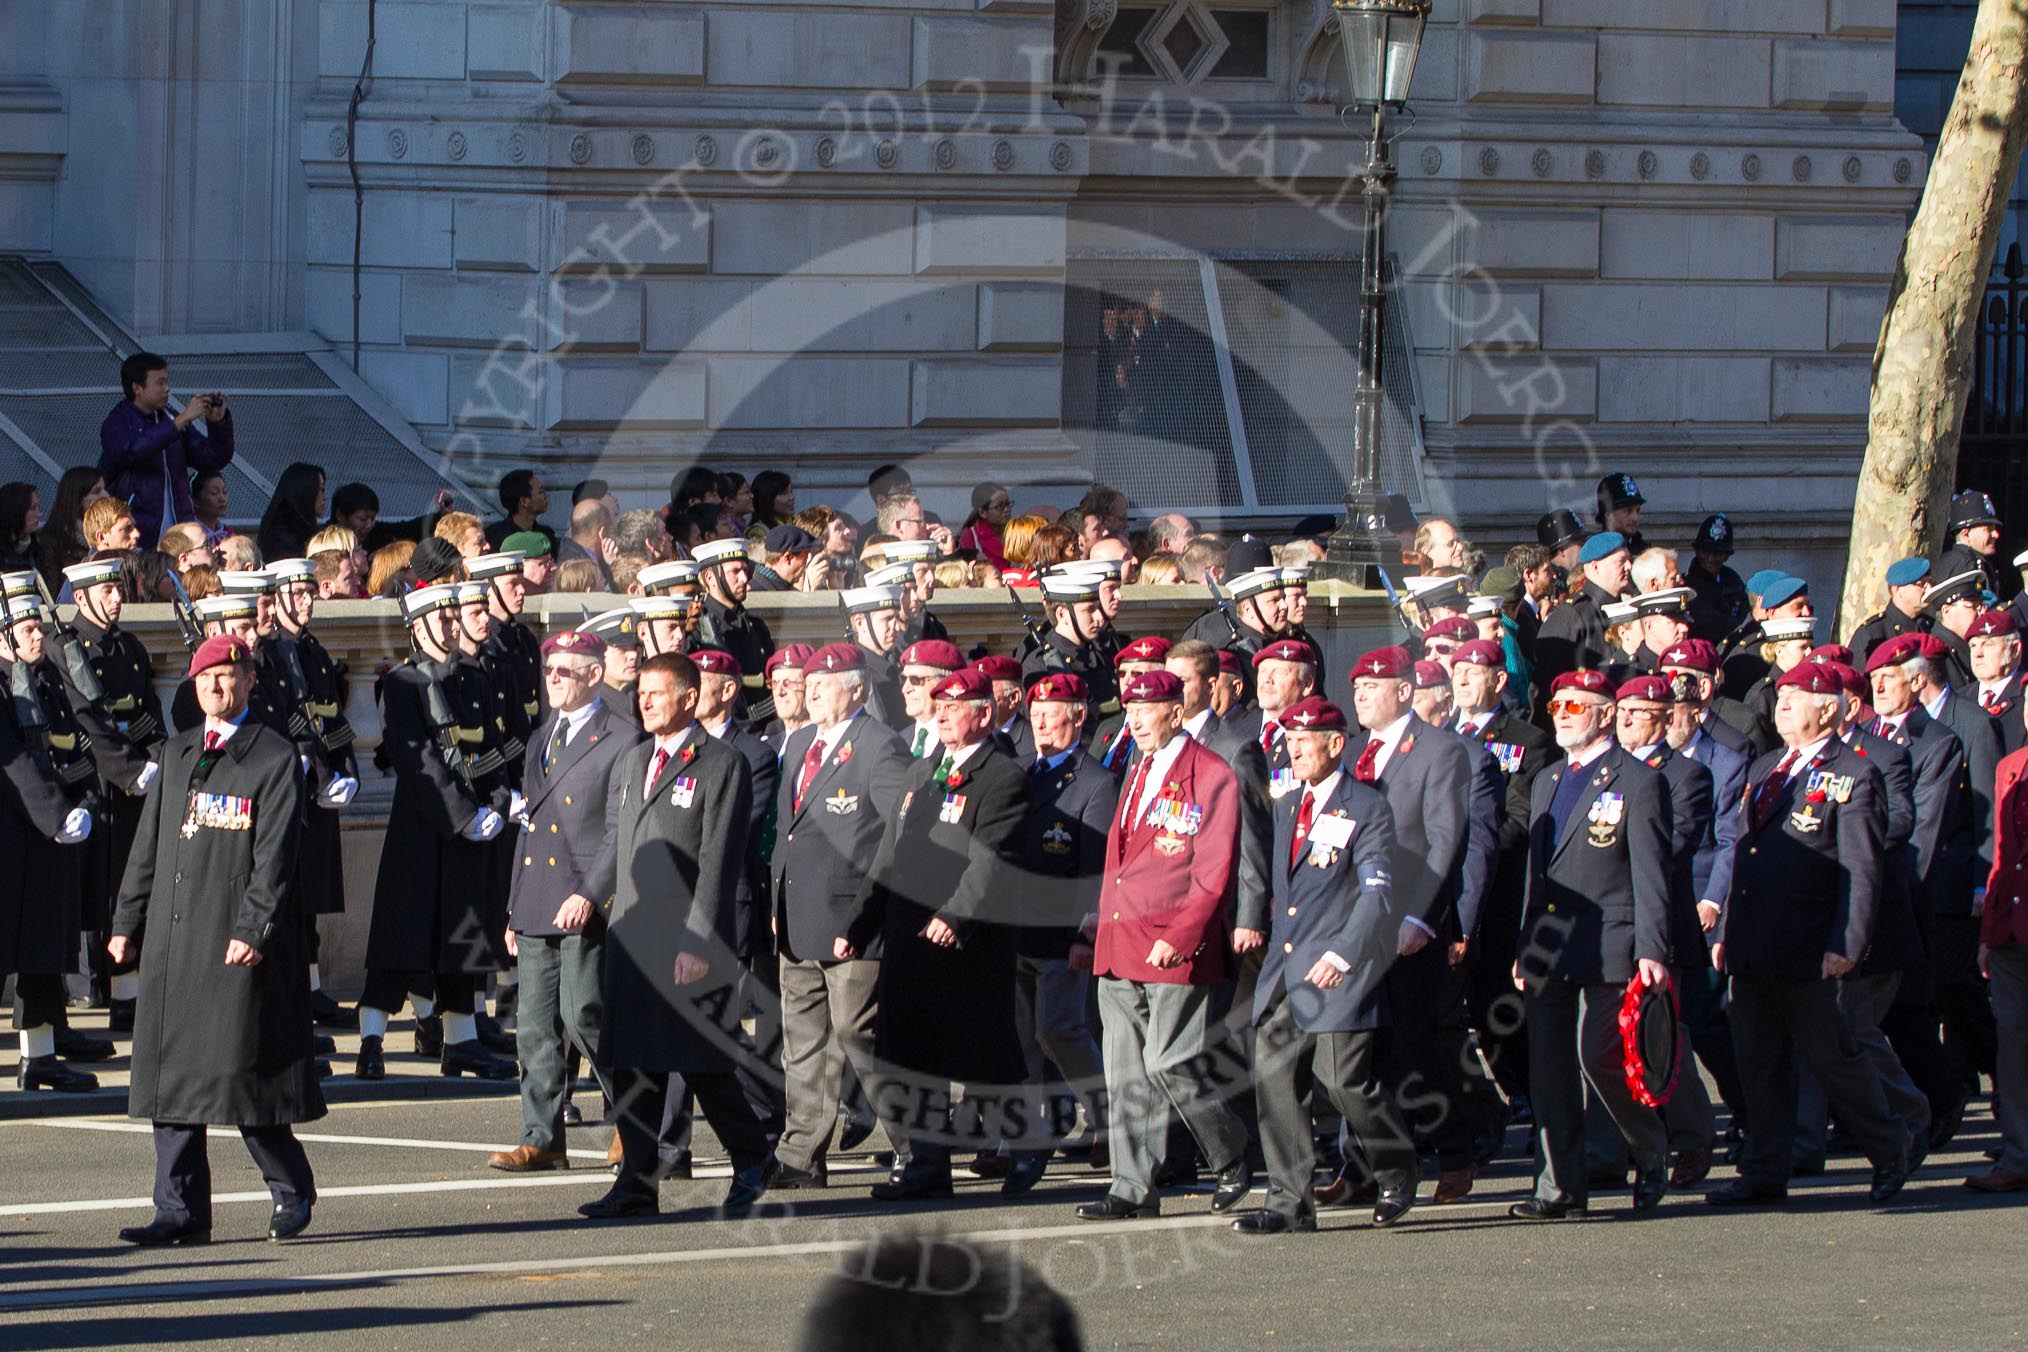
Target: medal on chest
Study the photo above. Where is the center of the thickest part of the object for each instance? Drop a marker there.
(952, 808)
(1057, 839)
(683, 792)
(1605, 814)
(1507, 754)
(1281, 782)
(218, 812)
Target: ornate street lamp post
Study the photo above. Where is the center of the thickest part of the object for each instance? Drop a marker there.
(1381, 39)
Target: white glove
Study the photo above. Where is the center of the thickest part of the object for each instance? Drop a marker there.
(485, 825)
(146, 779)
(340, 790)
(306, 765)
(76, 827)
(517, 806)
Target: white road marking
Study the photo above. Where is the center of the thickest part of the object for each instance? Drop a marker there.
(407, 1142)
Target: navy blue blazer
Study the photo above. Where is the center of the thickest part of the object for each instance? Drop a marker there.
(1335, 899)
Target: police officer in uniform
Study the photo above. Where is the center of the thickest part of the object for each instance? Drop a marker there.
(450, 802)
(52, 791)
(1563, 535)
(1719, 603)
(1619, 509)
(1903, 614)
(1973, 529)
(124, 723)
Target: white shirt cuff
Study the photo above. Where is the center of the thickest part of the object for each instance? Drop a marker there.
(1421, 924)
(1344, 967)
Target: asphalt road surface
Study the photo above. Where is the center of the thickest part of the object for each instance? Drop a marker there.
(416, 1244)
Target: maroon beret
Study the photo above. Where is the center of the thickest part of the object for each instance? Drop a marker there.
(1655, 688)
(1153, 648)
(836, 657)
(1849, 676)
(1229, 664)
(1313, 714)
(1459, 627)
(1480, 652)
(1993, 622)
(792, 655)
(1384, 662)
(1585, 679)
(1065, 687)
(1430, 674)
(1830, 652)
(933, 652)
(1155, 687)
(968, 684)
(1693, 654)
(997, 667)
(575, 642)
(715, 662)
(1814, 677)
(218, 651)
(1286, 650)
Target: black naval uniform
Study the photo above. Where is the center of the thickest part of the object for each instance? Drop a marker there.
(1057, 653)
(217, 1044)
(1720, 603)
(1889, 623)
(1574, 637)
(745, 635)
(320, 862)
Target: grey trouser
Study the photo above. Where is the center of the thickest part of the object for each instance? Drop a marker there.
(560, 1008)
(827, 1017)
(1342, 1069)
(1049, 1001)
(1865, 1001)
(1159, 1053)
(2009, 966)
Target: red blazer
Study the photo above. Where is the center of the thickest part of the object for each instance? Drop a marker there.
(2006, 915)
(1175, 884)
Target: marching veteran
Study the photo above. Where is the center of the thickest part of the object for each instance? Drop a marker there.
(222, 1030)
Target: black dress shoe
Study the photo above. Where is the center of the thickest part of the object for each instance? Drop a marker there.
(788, 1178)
(46, 1072)
(323, 1068)
(290, 1219)
(323, 1044)
(1235, 1181)
(1945, 1124)
(370, 1064)
(1535, 1209)
(429, 1036)
(1394, 1203)
(494, 1038)
(571, 1116)
(1024, 1172)
(331, 1014)
(620, 1203)
(160, 1232)
(1650, 1186)
(1275, 1223)
(469, 1058)
(1111, 1208)
(1888, 1178)
(120, 1019)
(991, 1164)
(1746, 1192)
(748, 1186)
(73, 1045)
(914, 1179)
(854, 1134)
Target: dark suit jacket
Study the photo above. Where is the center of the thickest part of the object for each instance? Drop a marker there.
(1482, 833)
(1333, 899)
(1728, 766)
(1598, 893)
(2005, 712)
(825, 850)
(750, 927)
(1256, 818)
(1898, 943)
(1693, 844)
(1808, 881)
(1063, 851)
(671, 862)
(1428, 783)
(1981, 741)
(1942, 845)
(567, 816)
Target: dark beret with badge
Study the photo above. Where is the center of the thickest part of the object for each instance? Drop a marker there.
(1314, 713)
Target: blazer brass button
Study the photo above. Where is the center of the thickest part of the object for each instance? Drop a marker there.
(552, 863)
(1292, 910)
(1288, 948)
(527, 860)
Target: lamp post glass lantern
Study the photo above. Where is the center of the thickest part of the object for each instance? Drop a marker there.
(1382, 39)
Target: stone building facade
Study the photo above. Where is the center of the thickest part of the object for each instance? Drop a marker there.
(1650, 235)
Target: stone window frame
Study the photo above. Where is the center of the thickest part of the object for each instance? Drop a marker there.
(1080, 60)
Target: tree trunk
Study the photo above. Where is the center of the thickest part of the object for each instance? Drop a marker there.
(1922, 364)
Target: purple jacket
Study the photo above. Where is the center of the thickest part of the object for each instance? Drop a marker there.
(137, 453)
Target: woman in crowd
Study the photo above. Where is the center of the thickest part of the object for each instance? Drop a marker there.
(991, 510)
(210, 500)
(1159, 570)
(293, 513)
(1017, 543)
(774, 499)
(463, 531)
(1053, 545)
(388, 572)
(737, 499)
(200, 581)
(20, 519)
(61, 541)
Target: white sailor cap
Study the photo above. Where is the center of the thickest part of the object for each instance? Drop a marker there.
(81, 575)
(254, 583)
(494, 565)
(226, 606)
(673, 573)
(716, 552)
(1788, 627)
(660, 607)
(292, 570)
(423, 600)
(472, 593)
(891, 575)
(1255, 582)
(865, 600)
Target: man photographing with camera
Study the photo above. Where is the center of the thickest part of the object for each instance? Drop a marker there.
(147, 454)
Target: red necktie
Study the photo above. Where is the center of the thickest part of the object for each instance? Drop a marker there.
(1268, 733)
(212, 742)
(1771, 790)
(813, 761)
(1303, 815)
(1988, 700)
(1368, 768)
(655, 770)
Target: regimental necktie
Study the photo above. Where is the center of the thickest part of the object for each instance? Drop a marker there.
(813, 761)
(921, 739)
(1303, 814)
(1988, 701)
(212, 742)
(944, 768)
(1771, 790)
(655, 767)
(1368, 768)
(556, 744)
(1269, 733)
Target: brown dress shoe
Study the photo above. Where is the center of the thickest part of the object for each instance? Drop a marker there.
(1342, 1191)
(1453, 1184)
(614, 1154)
(526, 1159)
(1998, 1180)
(1691, 1167)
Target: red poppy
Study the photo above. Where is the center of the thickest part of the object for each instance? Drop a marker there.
(844, 752)
(689, 754)
(955, 780)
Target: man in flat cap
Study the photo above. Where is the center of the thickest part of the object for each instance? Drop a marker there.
(1907, 579)
(222, 1031)
(786, 552)
(1806, 893)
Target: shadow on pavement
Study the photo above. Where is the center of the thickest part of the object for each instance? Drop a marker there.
(114, 1331)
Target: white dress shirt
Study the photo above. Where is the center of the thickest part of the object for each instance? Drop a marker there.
(1389, 738)
(1159, 766)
